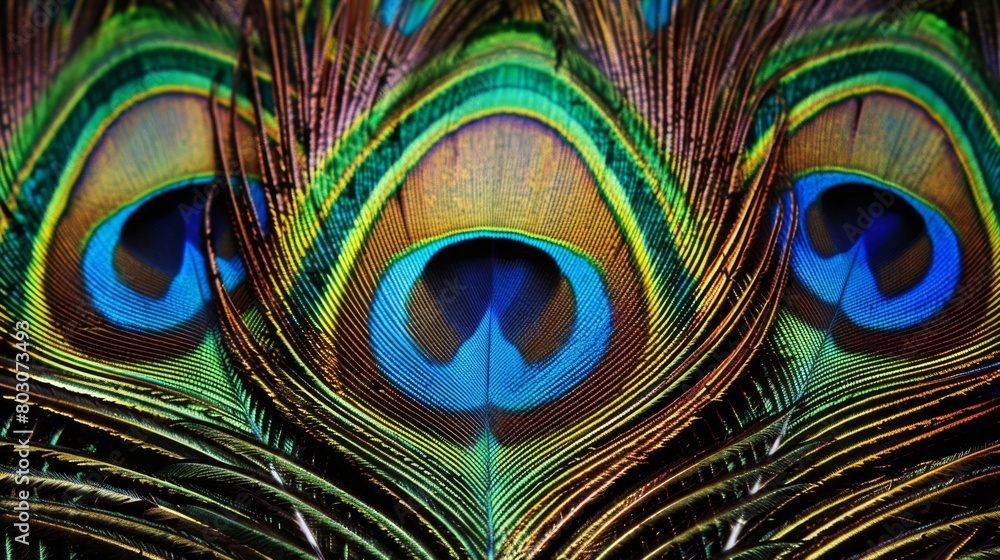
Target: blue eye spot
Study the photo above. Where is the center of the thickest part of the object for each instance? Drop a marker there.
(143, 267)
(500, 320)
(886, 258)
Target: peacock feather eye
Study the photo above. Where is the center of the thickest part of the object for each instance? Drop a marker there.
(500, 280)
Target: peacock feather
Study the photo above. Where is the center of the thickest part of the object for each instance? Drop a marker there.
(500, 279)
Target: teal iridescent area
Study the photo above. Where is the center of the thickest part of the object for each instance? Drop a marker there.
(886, 258)
(409, 14)
(493, 290)
(144, 267)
